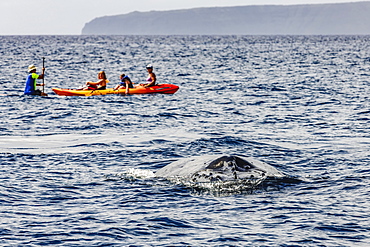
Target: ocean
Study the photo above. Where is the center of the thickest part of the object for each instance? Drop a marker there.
(79, 171)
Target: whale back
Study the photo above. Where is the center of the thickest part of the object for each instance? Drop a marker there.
(212, 168)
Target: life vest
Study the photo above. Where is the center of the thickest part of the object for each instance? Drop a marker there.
(31, 84)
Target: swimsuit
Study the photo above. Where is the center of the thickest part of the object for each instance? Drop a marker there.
(150, 81)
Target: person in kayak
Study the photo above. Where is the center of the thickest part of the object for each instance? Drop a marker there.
(31, 81)
(125, 83)
(151, 78)
(99, 85)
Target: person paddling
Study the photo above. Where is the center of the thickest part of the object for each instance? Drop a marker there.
(31, 82)
(151, 78)
(125, 83)
(99, 85)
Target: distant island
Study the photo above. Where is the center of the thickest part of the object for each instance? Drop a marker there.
(308, 19)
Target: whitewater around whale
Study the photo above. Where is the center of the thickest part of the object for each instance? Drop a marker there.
(219, 171)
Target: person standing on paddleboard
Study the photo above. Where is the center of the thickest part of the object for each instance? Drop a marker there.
(151, 78)
(31, 82)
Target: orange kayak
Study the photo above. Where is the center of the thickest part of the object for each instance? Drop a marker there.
(160, 88)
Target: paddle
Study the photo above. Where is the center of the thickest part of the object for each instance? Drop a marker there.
(92, 92)
(43, 81)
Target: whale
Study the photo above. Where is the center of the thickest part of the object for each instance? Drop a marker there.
(219, 168)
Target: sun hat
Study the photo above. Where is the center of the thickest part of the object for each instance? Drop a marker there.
(31, 67)
(149, 66)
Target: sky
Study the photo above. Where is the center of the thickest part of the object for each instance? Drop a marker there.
(68, 17)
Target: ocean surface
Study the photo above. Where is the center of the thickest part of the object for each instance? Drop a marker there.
(79, 171)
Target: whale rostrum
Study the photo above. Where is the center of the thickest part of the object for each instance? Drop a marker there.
(216, 168)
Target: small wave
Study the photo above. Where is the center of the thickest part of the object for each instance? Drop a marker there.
(133, 174)
(235, 186)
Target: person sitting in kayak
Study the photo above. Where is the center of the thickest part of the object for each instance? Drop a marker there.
(125, 83)
(99, 85)
(151, 79)
(31, 82)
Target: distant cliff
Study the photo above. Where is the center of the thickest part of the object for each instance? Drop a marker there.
(312, 19)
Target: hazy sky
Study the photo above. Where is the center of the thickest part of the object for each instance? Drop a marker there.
(24, 17)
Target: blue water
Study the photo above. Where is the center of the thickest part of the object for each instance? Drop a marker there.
(78, 171)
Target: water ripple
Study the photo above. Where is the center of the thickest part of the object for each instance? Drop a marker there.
(79, 171)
